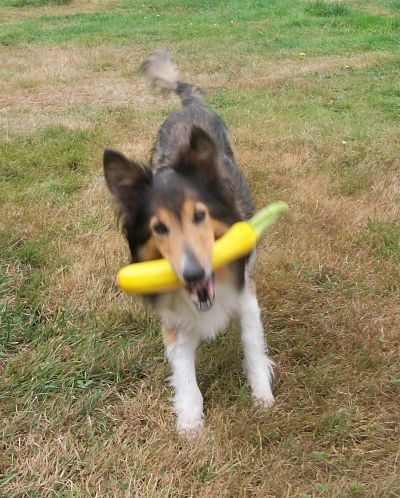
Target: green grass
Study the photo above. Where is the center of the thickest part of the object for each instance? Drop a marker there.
(292, 27)
(50, 163)
(385, 237)
(325, 9)
(84, 405)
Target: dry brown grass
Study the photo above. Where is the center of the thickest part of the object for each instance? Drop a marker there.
(83, 6)
(47, 85)
(51, 86)
(330, 303)
(260, 74)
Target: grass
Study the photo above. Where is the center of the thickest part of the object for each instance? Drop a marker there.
(251, 27)
(325, 9)
(34, 3)
(311, 96)
(50, 162)
(386, 239)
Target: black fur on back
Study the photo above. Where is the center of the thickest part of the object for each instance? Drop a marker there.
(174, 135)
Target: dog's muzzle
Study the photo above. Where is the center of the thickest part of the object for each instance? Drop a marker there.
(202, 293)
(199, 285)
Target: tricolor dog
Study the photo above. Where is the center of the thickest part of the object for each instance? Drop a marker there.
(175, 208)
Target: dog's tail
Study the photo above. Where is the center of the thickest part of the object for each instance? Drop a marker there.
(163, 73)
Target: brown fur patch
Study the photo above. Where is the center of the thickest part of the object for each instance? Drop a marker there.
(170, 245)
(169, 335)
(252, 286)
(218, 227)
(149, 251)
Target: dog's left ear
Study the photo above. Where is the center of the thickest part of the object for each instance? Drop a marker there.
(200, 158)
(126, 179)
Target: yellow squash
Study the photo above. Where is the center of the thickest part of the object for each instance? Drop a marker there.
(152, 277)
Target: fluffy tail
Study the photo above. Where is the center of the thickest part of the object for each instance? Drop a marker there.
(163, 73)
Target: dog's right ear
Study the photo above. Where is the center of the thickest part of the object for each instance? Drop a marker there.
(126, 179)
(199, 158)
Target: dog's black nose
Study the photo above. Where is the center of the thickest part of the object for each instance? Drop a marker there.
(192, 269)
(193, 273)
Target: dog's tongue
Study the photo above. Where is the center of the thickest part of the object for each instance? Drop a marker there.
(203, 294)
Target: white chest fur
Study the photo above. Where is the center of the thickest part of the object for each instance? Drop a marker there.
(178, 312)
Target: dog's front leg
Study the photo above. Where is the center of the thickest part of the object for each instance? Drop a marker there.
(188, 401)
(257, 365)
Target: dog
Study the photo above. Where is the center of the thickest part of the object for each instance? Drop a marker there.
(176, 208)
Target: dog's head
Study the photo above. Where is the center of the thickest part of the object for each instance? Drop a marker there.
(176, 213)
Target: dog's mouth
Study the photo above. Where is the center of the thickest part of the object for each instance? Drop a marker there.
(202, 293)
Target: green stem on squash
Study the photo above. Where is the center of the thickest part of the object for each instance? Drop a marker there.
(266, 216)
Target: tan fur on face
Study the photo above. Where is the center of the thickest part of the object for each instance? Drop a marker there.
(218, 227)
(186, 234)
(149, 251)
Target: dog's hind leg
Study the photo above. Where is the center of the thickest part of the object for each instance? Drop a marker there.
(188, 401)
(257, 365)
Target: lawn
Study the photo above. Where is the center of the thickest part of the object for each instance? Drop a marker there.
(310, 91)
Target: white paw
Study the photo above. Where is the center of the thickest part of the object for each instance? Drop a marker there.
(189, 427)
(189, 412)
(265, 400)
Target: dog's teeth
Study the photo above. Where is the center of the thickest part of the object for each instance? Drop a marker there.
(203, 294)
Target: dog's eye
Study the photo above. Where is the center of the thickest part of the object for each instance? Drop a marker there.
(161, 229)
(199, 216)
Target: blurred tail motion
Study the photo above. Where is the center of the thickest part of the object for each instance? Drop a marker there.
(163, 74)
